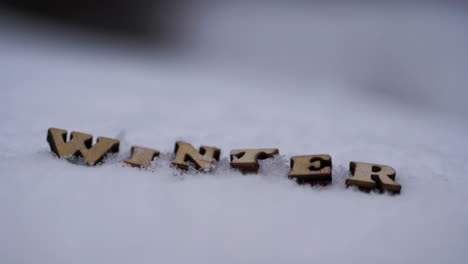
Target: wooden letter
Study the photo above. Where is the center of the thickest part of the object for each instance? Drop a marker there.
(80, 145)
(370, 176)
(311, 169)
(246, 160)
(142, 157)
(185, 152)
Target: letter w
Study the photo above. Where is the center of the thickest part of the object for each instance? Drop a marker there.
(80, 145)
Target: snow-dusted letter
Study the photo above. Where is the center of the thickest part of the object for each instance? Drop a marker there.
(185, 152)
(80, 145)
(142, 157)
(311, 169)
(370, 176)
(246, 160)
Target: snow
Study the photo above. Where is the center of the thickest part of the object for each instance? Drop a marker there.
(54, 211)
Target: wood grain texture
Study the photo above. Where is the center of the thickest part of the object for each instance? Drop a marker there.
(80, 144)
(370, 176)
(246, 160)
(312, 169)
(202, 160)
(142, 157)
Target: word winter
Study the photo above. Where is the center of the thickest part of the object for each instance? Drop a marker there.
(311, 169)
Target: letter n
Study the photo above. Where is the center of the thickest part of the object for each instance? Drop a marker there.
(80, 145)
(185, 152)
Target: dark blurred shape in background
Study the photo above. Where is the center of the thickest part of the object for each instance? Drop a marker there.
(128, 19)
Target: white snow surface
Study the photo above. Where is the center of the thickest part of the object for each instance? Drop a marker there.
(54, 211)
